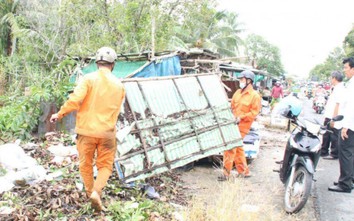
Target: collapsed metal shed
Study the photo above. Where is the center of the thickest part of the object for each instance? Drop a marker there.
(168, 122)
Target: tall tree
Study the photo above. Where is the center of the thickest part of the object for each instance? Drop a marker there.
(8, 26)
(263, 55)
(332, 63)
(349, 43)
(224, 36)
(205, 27)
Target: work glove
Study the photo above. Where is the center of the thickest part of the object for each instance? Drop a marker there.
(238, 119)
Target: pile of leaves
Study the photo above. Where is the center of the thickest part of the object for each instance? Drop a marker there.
(44, 201)
(63, 199)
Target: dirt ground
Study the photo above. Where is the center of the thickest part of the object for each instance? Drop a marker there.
(259, 197)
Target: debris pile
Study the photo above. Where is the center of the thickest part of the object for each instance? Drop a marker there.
(59, 194)
(18, 168)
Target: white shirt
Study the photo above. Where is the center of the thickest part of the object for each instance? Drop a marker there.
(347, 108)
(335, 98)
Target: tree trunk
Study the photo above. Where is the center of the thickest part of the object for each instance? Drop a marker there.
(2, 82)
(9, 44)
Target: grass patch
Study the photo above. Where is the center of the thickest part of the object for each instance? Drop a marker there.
(234, 200)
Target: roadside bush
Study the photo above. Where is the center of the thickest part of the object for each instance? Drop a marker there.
(28, 88)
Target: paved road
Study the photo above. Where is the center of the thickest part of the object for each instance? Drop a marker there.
(331, 206)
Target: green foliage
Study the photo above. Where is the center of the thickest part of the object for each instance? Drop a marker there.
(7, 10)
(334, 60)
(264, 55)
(2, 171)
(15, 119)
(10, 199)
(349, 44)
(205, 27)
(30, 86)
(130, 211)
(134, 210)
(126, 26)
(38, 38)
(332, 63)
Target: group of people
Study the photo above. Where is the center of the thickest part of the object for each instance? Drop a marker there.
(339, 143)
(98, 98)
(99, 95)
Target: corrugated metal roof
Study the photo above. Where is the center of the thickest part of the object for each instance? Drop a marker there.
(178, 120)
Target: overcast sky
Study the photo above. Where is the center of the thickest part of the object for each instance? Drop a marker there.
(305, 31)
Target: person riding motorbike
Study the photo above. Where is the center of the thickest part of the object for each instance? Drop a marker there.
(320, 92)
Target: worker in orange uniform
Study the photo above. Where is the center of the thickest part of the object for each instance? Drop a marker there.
(245, 105)
(97, 99)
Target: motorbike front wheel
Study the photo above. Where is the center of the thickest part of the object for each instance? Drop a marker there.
(297, 194)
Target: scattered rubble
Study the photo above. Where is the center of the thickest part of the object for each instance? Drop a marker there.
(58, 193)
(19, 168)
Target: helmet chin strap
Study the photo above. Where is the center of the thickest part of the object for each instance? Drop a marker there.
(246, 85)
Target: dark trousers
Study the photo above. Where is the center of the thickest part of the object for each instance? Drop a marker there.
(330, 141)
(346, 159)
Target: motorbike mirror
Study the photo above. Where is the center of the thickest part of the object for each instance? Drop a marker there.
(338, 118)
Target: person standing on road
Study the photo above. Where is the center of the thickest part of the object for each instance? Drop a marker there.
(97, 99)
(330, 139)
(245, 105)
(277, 93)
(346, 145)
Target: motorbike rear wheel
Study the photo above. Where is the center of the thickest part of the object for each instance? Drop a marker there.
(297, 193)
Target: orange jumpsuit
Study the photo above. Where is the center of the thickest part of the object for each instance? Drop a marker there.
(97, 99)
(245, 105)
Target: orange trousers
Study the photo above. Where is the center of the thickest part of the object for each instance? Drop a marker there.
(106, 150)
(237, 156)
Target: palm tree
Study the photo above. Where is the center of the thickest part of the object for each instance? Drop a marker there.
(223, 36)
(219, 33)
(10, 28)
(6, 7)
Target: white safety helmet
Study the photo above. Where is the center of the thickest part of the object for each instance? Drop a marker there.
(247, 74)
(106, 54)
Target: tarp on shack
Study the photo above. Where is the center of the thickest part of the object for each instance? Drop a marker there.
(158, 67)
(168, 122)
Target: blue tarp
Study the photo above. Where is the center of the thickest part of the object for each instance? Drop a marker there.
(164, 67)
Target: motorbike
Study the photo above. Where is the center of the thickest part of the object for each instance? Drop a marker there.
(299, 163)
(319, 104)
